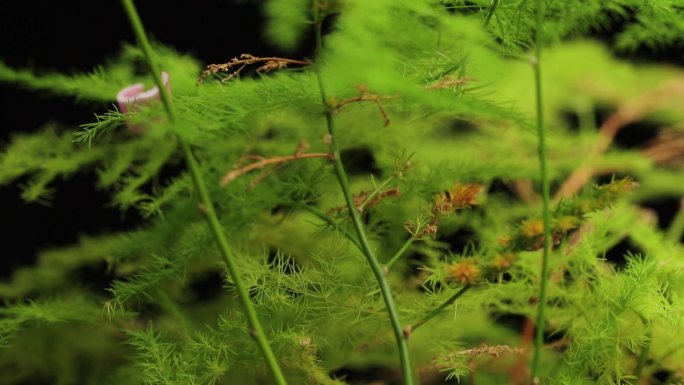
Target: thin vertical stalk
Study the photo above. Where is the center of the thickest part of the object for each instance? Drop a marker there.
(645, 350)
(490, 13)
(206, 205)
(643, 357)
(375, 266)
(167, 303)
(546, 212)
(676, 229)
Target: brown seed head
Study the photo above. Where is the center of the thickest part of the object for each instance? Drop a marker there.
(532, 227)
(465, 271)
(503, 261)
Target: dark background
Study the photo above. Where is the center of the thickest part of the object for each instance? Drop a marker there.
(76, 36)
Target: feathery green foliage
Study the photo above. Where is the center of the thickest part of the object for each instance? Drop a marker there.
(288, 21)
(439, 96)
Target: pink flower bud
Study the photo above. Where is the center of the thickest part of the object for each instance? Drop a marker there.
(134, 95)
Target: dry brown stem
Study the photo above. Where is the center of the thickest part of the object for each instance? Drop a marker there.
(365, 96)
(261, 162)
(524, 190)
(491, 350)
(362, 201)
(236, 65)
(667, 147)
(520, 372)
(447, 82)
(629, 112)
(494, 352)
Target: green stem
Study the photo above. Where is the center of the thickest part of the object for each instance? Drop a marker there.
(321, 215)
(144, 44)
(358, 225)
(541, 320)
(643, 357)
(176, 312)
(676, 229)
(257, 331)
(490, 13)
(436, 311)
(645, 350)
(206, 205)
(374, 193)
(399, 253)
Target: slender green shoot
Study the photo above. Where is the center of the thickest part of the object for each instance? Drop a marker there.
(490, 13)
(436, 311)
(377, 269)
(643, 357)
(206, 205)
(645, 350)
(173, 308)
(546, 211)
(375, 193)
(326, 218)
(676, 229)
(144, 44)
(399, 253)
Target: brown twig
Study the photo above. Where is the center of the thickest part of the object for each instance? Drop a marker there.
(362, 201)
(365, 96)
(492, 352)
(447, 82)
(265, 162)
(628, 113)
(301, 148)
(524, 190)
(666, 148)
(519, 372)
(269, 64)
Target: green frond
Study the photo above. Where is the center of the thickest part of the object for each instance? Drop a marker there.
(101, 85)
(288, 20)
(104, 123)
(658, 30)
(128, 190)
(158, 360)
(75, 308)
(43, 157)
(447, 82)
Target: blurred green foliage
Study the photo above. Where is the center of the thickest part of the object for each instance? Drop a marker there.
(424, 78)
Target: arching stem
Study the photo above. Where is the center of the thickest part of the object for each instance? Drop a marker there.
(207, 206)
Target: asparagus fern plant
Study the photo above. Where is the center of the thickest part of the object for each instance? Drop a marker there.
(478, 204)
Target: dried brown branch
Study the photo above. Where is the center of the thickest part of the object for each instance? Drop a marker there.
(362, 201)
(447, 82)
(365, 96)
(628, 113)
(524, 190)
(519, 374)
(236, 65)
(494, 352)
(491, 350)
(667, 147)
(261, 163)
